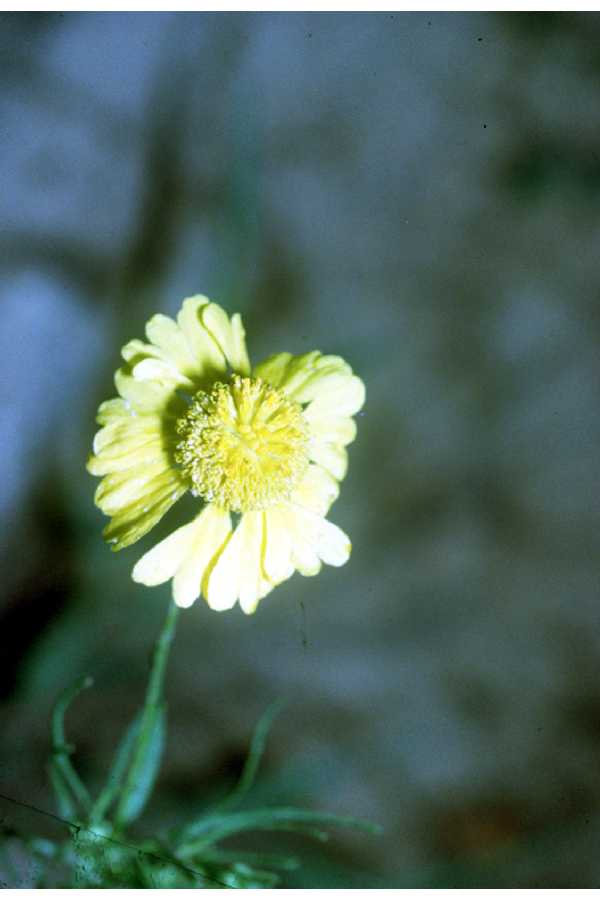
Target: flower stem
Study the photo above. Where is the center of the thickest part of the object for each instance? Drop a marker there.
(159, 662)
(153, 705)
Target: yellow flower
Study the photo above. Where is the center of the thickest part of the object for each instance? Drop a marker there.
(265, 444)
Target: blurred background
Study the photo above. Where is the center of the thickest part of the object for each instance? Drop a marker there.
(419, 194)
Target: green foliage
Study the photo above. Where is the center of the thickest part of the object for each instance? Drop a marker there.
(70, 790)
(257, 748)
(146, 769)
(117, 772)
(99, 853)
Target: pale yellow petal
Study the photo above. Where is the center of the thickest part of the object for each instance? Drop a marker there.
(331, 457)
(342, 396)
(317, 490)
(297, 370)
(303, 548)
(130, 441)
(277, 558)
(181, 353)
(250, 576)
(135, 520)
(238, 573)
(326, 383)
(315, 376)
(273, 369)
(222, 582)
(209, 542)
(120, 489)
(164, 559)
(135, 351)
(304, 556)
(314, 539)
(205, 351)
(144, 396)
(112, 411)
(129, 429)
(239, 354)
(121, 455)
(164, 372)
(334, 546)
(329, 428)
(249, 605)
(216, 321)
(211, 530)
(165, 334)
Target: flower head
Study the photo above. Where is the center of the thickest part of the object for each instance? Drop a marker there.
(265, 444)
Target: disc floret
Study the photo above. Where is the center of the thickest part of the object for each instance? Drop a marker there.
(244, 445)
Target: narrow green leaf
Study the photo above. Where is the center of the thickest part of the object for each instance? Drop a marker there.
(61, 750)
(64, 798)
(257, 748)
(117, 772)
(142, 775)
(205, 832)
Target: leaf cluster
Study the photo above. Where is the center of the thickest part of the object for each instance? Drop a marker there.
(100, 852)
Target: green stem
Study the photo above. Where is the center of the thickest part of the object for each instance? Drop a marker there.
(152, 703)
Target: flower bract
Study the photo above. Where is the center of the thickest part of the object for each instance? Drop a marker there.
(263, 450)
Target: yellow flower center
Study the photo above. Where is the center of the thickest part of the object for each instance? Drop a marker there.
(244, 445)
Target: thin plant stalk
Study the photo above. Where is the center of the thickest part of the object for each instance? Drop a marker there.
(150, 712)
